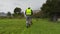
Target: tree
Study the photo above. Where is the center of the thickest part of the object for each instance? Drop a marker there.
(9, 14)
(51, 8)
(17, 11)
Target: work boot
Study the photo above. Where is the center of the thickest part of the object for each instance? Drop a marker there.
(27, 25)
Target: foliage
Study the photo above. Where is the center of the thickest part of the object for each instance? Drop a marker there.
(17, 11)
(51, 7)
(9, 14)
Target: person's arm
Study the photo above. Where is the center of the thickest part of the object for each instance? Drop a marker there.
(32, 12)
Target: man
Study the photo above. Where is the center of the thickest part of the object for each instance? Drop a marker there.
(28, 14)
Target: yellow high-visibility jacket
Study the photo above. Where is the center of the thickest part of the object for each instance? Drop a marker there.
(28, 12)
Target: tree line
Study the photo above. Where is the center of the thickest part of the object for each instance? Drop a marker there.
(50, 9)
(17, 13)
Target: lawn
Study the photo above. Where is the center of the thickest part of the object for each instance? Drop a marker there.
(17, 26)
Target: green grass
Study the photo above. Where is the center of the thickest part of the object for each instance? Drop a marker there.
(17, 26)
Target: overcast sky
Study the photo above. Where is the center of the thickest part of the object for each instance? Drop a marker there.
(9, 5)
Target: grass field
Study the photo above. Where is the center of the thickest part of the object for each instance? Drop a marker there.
(17, 26)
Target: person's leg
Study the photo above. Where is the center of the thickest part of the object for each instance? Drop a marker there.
(30, 20)
(27, 25)
(27, 22)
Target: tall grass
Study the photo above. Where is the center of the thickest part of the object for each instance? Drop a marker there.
(18, 26)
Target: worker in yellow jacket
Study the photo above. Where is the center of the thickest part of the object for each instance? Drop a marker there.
(28, 14)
